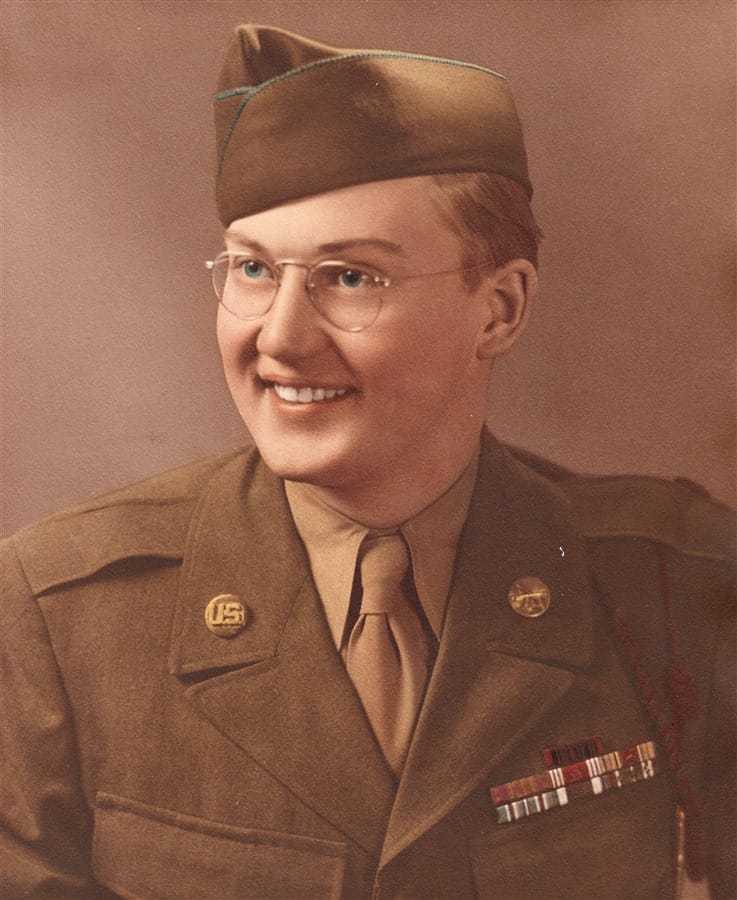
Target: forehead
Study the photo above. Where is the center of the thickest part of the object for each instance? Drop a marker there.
(399, 214)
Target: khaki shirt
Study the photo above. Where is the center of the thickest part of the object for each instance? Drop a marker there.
(332, 541)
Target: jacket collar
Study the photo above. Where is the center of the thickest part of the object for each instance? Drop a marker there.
(280, 692)
(240, 542)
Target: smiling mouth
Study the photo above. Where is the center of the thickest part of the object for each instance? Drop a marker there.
(305, 394)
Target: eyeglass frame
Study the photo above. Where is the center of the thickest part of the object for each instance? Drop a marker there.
(380, 279)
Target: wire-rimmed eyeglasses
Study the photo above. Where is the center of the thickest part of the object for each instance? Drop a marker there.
(349, 295)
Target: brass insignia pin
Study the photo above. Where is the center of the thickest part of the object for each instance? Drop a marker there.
(225, 615)
(529, 597)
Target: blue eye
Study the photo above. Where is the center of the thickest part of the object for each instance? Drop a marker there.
(253, 269)
(352, 278)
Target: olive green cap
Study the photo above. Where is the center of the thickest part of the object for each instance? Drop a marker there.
(294, 118)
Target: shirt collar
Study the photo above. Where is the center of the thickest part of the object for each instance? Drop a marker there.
(332, 541)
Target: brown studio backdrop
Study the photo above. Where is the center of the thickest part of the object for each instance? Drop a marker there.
(109, 365)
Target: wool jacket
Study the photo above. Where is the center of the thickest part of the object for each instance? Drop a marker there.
(144, 756)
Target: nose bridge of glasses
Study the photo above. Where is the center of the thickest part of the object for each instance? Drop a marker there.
(299, 284)
(279, 265)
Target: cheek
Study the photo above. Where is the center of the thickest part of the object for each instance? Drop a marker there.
(235, 341)
(441, 345)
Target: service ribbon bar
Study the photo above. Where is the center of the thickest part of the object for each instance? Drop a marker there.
(571, 753)
(556, 787)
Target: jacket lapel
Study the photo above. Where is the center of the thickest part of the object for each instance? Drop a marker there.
(497, 673)
(278, 689)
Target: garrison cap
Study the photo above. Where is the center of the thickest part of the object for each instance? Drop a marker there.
(294, 117)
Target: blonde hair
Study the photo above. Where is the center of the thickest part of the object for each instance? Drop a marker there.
(492, 217)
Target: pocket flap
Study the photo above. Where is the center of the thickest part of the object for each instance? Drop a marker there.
(143, 852)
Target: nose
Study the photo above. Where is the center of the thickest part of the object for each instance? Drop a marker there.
(292, 328)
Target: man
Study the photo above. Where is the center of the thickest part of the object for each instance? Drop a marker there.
(381, 655)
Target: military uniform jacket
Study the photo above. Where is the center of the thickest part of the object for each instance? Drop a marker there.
(145, 757)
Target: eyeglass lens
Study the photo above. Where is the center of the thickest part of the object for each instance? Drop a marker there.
(348, 297)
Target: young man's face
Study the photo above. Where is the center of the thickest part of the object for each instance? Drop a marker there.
(414, 382)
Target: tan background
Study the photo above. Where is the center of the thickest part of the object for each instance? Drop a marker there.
(109, 368)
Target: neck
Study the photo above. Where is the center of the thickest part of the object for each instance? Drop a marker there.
(381, 502)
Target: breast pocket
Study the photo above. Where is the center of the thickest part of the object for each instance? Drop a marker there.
(615, 845)
(146, 853)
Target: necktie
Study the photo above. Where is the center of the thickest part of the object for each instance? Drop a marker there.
(388, 653)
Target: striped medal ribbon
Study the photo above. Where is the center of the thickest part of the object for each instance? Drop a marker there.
(557, 787)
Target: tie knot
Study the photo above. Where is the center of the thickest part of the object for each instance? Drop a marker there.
(384, 563)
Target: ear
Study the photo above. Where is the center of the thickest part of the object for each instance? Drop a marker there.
(510, 291)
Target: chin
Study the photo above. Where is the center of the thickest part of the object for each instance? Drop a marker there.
(308, 466)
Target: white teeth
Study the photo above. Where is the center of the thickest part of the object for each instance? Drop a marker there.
(307, 394)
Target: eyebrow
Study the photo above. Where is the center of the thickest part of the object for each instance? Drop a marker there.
(329, 248)
(376, 243)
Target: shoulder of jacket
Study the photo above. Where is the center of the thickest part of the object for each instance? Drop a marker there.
(149, 518)
(676, 512)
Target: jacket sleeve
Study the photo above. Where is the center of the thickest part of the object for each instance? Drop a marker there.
(45, 831)
(721, 771)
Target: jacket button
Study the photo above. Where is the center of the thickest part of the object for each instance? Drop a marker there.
(225, 615)
(529, 597)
